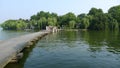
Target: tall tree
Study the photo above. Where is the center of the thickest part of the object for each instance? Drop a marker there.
(52, 21)
(115, 13)
(72, 24)
(84, 23)
(65, 19)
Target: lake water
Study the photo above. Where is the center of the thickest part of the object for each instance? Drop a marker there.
(73, 49)
(4, 34)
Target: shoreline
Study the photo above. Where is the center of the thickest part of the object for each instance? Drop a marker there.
(17, 44)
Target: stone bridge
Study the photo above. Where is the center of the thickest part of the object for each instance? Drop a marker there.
(10, 49)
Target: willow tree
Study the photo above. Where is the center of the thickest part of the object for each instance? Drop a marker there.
(72, 24)
(84, 23)
(42, 23)
(52, 21)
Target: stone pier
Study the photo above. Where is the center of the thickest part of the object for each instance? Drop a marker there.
(11, 48)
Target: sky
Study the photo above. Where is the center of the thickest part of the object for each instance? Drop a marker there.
(15, 9)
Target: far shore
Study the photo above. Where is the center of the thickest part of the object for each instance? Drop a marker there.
(74, 29)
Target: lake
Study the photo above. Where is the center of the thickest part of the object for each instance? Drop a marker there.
(5, 34)
(73, 49)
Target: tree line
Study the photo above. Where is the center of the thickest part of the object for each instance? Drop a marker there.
(95, 19)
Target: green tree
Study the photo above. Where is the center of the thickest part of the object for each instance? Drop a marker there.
(98, 20)
(115, 12)
(42, 23)
(52, 21)
(14, 25)
(20, 25)
(95, 11)
(65, 19)
(94, 20)
(84, 23)
(72, 24)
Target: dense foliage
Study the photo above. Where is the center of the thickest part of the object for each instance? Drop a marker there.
(14, 24)
(96, 19)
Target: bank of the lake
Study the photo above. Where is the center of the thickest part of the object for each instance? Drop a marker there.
(73, 49)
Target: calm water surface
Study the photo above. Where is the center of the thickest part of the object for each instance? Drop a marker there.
(73, 49)
(4, 34)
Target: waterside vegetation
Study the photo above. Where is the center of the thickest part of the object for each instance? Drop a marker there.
(96, 19)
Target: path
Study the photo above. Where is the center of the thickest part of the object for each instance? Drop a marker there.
(11, 47)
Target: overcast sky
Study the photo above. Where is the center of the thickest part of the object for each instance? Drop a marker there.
(15, 9)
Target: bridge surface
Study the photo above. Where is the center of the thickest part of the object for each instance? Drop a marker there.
(11, 47)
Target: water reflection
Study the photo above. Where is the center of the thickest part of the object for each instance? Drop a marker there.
(100, 39)
(75, 49)
(20, 64)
